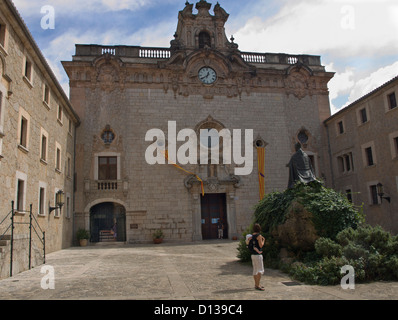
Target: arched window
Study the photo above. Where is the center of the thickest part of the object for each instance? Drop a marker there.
(204, 40)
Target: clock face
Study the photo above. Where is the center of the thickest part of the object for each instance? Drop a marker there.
(207, 75)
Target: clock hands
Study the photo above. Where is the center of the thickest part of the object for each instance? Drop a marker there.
(207, 75)
(202, 78)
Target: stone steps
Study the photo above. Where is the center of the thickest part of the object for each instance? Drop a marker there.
(4, 244)
(106, 236)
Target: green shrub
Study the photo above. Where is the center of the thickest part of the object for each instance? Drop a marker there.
(332, 212)
(327, 248)
(344, 238)
(354, 251)
(325, 272)
(371, 251)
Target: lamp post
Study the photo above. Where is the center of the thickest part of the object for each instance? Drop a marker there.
(380, 193)
(59, 201)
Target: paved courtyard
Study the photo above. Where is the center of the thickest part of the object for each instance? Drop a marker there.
(205, 270)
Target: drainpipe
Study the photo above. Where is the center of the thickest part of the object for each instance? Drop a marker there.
(74, 185)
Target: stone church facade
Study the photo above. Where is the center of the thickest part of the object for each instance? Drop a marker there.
(201, 82)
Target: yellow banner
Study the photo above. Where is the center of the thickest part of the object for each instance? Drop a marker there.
(261, 171)
(166, 155)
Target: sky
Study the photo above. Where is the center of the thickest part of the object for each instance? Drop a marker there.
(356, 39)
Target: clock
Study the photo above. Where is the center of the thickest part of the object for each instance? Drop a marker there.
(207, 75)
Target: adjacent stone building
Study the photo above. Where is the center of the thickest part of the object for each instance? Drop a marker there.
(363, 149)
(201, 82)
(37, 132)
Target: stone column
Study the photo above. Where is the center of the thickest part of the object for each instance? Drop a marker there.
(232, 231)
(196, 218)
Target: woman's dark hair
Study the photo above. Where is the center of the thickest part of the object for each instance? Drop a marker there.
(257, 228)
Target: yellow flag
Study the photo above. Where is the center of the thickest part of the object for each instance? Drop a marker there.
(166, 155)
(261, 171)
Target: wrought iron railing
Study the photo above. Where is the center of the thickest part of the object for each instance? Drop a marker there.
(33, 226)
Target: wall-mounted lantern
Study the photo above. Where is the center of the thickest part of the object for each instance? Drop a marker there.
(59, 201)
(380, 193)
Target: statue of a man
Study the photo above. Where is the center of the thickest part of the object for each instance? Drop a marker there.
(300, 168)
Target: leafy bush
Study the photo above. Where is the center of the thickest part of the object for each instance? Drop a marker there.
(327, 248)
(344, 238)
(371, 251)
(332, 213)
(331, 210)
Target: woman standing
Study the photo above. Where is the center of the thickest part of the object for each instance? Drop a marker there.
(257, 257)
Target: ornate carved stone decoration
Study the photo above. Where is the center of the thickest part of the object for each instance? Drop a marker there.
(107, 139)
(298, 81)
(108, 73)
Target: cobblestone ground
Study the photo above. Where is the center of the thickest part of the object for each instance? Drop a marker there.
(200, 271)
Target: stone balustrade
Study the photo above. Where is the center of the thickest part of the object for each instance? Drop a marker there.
(166, 53)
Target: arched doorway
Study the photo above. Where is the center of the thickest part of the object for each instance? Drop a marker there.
(108, 222)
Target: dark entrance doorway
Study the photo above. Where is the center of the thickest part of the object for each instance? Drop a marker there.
(214, 209)
(108, 222)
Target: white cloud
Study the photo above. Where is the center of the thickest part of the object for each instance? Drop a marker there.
(156, 35)
(81, 6)
(373, 81)
(341, 28)
(349, 83)
(341, 84)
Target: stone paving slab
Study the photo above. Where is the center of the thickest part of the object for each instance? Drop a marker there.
(201, 271)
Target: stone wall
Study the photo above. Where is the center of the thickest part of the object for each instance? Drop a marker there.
(378, 132)
(30, 91)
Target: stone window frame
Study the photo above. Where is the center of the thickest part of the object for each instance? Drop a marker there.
(44, 133)
(365, 158)
(60, 114)
(23, 130)
(387, 105)
(41, 203)
(46, 95)
(27, 70)
(214, 154)
(342, 166)
(393, 138)
(340, 127)
(20, 204)
(373, 198)
(359, 110)
(107, 154)
(68, 165)
(58, 158)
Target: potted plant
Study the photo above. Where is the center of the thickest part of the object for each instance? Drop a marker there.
(83, 235)
(158, 236)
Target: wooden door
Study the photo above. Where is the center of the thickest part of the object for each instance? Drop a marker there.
(213, 210)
